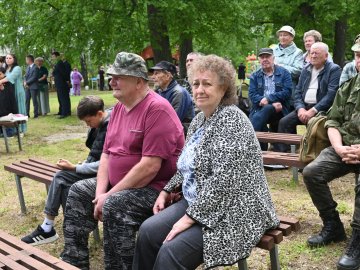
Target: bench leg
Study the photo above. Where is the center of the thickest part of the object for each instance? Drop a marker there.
(294, 169)
(242, 265)
(20, 194)
(47, 189)
(19, 137)
(274, 258)
(357, 175)
(5, 139)
(96, 234)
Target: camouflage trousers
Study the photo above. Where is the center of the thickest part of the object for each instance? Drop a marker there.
(317, 174)
(123, 213)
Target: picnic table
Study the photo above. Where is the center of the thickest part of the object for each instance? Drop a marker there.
(11, 124)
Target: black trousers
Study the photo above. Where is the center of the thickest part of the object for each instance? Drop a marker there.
(64, 101)
(325, 168)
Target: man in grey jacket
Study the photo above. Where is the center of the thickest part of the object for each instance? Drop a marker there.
(31, 85)
(91, 111)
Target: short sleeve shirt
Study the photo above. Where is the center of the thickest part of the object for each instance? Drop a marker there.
(151, 128)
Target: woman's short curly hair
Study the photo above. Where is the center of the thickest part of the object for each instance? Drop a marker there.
(223, 68)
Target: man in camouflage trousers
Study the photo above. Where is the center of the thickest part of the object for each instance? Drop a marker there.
(142, 144)
(341, 158)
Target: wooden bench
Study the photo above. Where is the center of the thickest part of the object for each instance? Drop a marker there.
(273, 158)
(37, 170)
(271, 239)
(16, 255)
(7, 124)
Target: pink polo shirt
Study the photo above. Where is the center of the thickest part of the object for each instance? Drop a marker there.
(151, 128)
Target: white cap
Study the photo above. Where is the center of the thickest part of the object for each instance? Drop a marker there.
(287, 28)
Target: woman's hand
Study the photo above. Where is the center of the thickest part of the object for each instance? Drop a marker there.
(183, 224)
(161, 202)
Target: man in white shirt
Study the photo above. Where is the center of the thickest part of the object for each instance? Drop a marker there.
(315, 92)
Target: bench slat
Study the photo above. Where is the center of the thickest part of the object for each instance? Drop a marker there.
(271, 137)
(276, 234)
(266, 242)
(35, 170)
(43, 172)
(285, 228)
(28, 173)
(24, 256)
(11, 264)
(43, 163)
(295, 224)
(39, 166)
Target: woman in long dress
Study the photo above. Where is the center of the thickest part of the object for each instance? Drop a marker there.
(14, 75)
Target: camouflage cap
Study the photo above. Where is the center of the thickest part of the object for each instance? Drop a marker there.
(356, 46)
(129, 64)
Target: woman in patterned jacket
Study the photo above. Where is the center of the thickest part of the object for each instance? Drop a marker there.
(226, 206)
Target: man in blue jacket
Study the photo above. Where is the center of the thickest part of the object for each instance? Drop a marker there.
(315, 92)
(177, 95)
(269, 92)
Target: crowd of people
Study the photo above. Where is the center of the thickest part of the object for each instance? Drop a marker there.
(176, 174)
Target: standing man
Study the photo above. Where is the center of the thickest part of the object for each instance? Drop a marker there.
(31, 85)
(241, 72)
(315, 91)
(61, 76)
(168, 88)
(269, 92)
(341, 158)
(101, 78)
(142, 145)
(351, 69)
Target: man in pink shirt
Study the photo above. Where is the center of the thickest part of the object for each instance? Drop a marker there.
(142, 144)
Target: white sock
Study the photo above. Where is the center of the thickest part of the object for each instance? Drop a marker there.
(47, 225)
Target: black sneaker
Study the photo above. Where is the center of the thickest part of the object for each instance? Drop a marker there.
(39, 237)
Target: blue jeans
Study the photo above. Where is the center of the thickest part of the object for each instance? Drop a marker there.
(264, 116)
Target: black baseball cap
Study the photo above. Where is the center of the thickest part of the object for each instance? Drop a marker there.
(265, 51)
(164, 65)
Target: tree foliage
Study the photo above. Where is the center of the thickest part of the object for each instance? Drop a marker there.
(98, 29)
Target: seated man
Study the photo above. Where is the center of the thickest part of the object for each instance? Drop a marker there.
(269, 92)
(177, 95)
(341, 158)
(351, 69)
(142, 145)
(91, 111)
(315, 91)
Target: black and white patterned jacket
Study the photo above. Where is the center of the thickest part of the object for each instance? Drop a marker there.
(233, 201)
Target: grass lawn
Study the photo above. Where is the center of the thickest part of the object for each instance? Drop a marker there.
(51, 138)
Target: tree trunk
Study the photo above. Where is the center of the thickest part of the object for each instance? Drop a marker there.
(340, 41)
(186, 47)
(84, 71)
(159, 37)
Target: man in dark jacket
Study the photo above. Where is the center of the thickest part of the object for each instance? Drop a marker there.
(62, 84)
(91, 111)
(315, 92)
(31, 85)
(169, 89)
(270, 92)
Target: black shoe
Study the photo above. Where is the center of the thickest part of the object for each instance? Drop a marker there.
(333, 231)
(61, 116)
(39, 237)
(351, 259)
